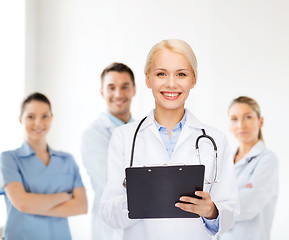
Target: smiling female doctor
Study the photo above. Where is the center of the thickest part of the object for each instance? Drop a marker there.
(168, 136)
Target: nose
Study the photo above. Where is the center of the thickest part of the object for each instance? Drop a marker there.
(171, 82)
(117, 93)
(241, 123)
(38, 121)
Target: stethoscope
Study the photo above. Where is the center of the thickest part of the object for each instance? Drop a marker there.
(204, 135)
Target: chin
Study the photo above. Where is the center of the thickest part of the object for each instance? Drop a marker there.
(172, 107)
(37, 137)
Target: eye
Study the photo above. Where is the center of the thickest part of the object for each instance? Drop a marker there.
(248, 117)
(233, 119)
(161, 74)
(45, 116)
(30, 117)
(182, 74)
(124, 87)
(110, 88)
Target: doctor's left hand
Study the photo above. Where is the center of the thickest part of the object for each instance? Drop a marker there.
(204, 207)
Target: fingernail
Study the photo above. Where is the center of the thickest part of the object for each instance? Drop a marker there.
(177, 205)
(181, 199)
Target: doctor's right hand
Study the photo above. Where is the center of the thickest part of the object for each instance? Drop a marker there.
(204, 207)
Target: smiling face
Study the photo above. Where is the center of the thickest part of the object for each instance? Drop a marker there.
(118, 90)
(244, 123)
(171, 78)
(36, 119)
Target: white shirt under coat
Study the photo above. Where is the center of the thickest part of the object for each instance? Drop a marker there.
(260, 168)
(149, 150)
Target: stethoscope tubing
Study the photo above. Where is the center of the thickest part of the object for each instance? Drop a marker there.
(204, 135)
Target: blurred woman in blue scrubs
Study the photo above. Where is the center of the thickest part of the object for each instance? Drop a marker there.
(42, 186)
(256, 169)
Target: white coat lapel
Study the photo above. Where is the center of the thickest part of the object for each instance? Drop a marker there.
(188, 130)
(149, 123)
(106, 122)
(185, 134)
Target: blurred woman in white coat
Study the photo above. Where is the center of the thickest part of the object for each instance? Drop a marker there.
(256, 169)
(167, 136)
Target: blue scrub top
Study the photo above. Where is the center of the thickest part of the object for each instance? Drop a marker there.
(61, 175)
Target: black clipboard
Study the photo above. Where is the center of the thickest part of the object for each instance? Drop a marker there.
(152, 192)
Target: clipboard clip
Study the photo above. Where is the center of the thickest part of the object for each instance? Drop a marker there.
(165, 165)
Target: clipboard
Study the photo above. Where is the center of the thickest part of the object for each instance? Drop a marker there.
(152, 192)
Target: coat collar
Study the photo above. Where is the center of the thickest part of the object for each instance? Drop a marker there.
(191, 120)
(256, 150)
(191, 123)
(110, 121)
(26, 151)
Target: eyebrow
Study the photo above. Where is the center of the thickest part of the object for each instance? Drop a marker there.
(123, 84)
(163, 69)
(32, 113)
(246, 113)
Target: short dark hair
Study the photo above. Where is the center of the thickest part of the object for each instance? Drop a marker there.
(117, 67)
(36, 96)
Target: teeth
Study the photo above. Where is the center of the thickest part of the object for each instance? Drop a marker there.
(171, 94)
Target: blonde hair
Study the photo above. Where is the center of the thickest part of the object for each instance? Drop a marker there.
(175, 45)
(254, 105)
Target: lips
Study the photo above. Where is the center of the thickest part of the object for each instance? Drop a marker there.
(171, 95)
(242, 133)
(38, 131)
(119, 102)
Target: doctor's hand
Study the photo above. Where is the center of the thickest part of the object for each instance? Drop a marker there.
(203, 207)
(248, 185)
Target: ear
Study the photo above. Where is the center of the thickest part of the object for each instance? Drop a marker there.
(194, 81)
(101, 91)
(148, 81)
(261, 122)
(134, 91)
(20, 120)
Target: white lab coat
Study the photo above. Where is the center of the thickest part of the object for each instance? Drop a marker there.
(150, 150)
(94, 147)
(260, 168)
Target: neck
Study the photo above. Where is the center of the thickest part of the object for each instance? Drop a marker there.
(39, 146)
(123, 117)
(169, 118)
(244, 148)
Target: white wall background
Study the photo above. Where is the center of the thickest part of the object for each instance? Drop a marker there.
(12, 69)
(241, 46)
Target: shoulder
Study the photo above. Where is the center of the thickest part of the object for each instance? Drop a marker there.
(127, 129)
(10, 159)
(10, 154)
(64, 158)
(102, 125)
(213, 131)
(124, 134)
(98, 123)
(194, 122)
(61, 154)
(268, 156)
